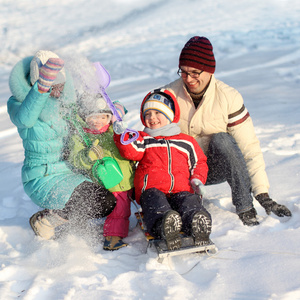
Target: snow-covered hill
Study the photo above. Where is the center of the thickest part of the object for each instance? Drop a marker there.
(256, 44)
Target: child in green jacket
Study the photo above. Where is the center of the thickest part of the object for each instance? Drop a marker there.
(95, 117)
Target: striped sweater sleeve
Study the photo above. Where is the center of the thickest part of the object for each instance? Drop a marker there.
(238, 117)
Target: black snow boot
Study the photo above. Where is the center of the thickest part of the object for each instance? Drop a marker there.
(170, 229)
(249, 217)
(201, 228)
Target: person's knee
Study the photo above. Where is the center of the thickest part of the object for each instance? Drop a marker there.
(222, 142)
(150, 193)
(111, 202)
(222, 138)
(152, 200)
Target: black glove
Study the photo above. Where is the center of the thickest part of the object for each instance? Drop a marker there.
(271, 206)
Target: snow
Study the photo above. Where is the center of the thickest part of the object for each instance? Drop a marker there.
(256, 44)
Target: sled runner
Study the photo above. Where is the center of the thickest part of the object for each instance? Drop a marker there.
(187, 246)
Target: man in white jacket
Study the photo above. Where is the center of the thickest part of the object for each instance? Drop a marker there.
(214, 114)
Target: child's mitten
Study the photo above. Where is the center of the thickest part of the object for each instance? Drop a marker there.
(198, 187)
(48, 73)
(95, 152)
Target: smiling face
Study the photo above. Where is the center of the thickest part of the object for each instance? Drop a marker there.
(195, 85)
(155, 119)
(96, 122)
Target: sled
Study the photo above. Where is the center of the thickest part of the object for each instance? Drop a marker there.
(187, 246)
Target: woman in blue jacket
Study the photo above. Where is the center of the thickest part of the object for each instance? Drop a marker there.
(41, 92)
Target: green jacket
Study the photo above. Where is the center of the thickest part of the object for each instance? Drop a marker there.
(79, 158)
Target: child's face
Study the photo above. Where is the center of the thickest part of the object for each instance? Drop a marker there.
(155, 119)
(96, 122)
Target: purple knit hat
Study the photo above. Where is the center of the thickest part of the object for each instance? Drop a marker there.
(198, 53)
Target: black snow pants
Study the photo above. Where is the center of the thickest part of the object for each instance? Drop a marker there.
(155, 204)
(88, 201)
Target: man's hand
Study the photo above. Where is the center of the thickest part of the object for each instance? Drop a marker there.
(271, 206)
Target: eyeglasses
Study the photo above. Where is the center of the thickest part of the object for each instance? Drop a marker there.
(185, 74)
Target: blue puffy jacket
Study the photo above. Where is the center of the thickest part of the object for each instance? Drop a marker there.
(46, 177)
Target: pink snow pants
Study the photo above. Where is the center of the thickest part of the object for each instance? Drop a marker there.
(117, 222)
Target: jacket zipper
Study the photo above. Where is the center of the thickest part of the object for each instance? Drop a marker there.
(145, 183)
(170, 165)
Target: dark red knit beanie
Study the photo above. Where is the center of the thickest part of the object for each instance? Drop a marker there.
(198, 53)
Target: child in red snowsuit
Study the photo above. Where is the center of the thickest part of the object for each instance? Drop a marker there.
(171, 167)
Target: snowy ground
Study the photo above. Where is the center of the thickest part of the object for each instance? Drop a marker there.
(257, 47)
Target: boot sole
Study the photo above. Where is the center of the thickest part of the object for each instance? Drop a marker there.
(201, 228)
(114, 248)
(171, 227)
(250, 222)
(117, 246)
(32, 220)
